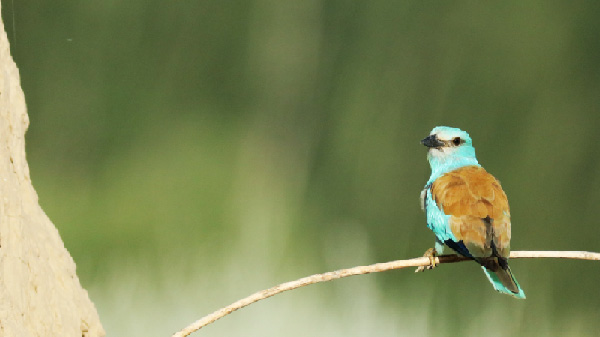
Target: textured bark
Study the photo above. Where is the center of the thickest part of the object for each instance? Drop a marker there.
(40, 294)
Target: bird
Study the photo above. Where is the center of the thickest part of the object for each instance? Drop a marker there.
(466, 208)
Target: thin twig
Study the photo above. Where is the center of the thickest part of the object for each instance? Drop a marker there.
(374, 268)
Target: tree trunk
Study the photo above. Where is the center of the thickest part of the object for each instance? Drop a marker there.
(40, 294)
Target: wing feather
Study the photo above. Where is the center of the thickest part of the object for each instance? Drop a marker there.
(471, 195)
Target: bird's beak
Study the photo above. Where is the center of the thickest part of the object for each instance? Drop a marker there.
(432, 141)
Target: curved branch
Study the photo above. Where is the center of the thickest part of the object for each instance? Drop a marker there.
(374, 268)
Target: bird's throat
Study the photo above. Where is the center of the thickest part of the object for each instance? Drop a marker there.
(442, 164)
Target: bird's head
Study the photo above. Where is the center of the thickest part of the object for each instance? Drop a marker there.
(449, 148)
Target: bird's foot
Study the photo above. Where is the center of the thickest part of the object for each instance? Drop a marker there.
(431, 254)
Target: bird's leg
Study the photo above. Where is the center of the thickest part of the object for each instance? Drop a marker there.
(431, 253)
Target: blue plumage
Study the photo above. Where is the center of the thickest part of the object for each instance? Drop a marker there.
(466, 208)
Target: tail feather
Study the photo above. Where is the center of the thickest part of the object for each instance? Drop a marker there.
(504, 282)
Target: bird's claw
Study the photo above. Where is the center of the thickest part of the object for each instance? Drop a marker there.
(431, 254)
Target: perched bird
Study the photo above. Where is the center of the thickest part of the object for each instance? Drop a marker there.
(466, 208)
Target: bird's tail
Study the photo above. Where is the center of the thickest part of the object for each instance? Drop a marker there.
(504, 282)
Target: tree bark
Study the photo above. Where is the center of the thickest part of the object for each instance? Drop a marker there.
(40, 294)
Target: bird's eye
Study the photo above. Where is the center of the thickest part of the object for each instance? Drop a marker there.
(456, 141)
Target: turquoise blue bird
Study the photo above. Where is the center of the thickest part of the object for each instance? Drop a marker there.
(466, 208)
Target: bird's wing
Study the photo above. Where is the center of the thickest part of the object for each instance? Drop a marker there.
(480, 216)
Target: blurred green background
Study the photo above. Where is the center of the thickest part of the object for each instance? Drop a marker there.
(193, 152)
